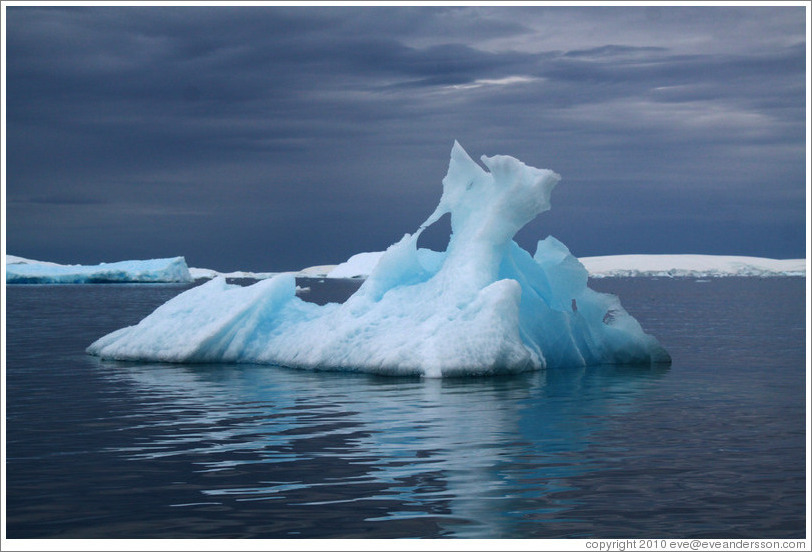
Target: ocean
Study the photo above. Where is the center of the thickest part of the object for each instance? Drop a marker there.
(712, 446)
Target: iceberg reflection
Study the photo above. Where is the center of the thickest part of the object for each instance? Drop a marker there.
(477, 457)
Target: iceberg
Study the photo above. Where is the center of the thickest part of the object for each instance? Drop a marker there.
(20, 270)
(483, 306)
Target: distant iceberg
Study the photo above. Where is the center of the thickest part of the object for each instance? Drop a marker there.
(208, 274)
(483, 306)
(20, 270)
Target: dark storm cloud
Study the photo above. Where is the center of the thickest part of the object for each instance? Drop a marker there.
(271, 138)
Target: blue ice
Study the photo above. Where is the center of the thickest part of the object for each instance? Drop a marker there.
(25, 271)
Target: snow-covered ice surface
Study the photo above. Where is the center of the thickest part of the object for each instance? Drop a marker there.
(483, 306)
(20, 270)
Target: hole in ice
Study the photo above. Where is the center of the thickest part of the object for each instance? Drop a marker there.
(609, 317)
(437, 235)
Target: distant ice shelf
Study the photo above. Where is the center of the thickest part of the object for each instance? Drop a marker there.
(20, 270)
(692, 266)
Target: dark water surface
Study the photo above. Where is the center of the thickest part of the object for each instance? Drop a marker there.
(712, 446)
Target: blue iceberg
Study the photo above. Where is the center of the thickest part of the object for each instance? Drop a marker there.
(483, 306)
(26, 271)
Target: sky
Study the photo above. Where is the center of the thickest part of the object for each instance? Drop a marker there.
(271, 138)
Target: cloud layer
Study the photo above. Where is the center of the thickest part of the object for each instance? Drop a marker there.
(269, 138)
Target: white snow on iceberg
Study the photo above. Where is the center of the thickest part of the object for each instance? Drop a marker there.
(359, 265)
(26, 271)
(483, 306)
